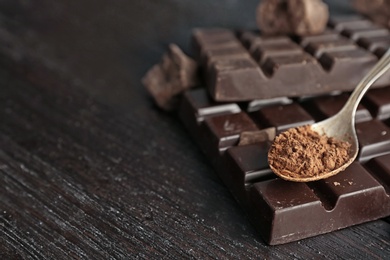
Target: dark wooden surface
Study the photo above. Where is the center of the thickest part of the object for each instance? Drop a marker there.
(91, 169)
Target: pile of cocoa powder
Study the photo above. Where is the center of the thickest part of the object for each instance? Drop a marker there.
(302, 152)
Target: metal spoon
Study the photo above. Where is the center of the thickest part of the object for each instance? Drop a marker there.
(342, 125)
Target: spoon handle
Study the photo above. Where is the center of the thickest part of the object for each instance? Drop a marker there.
(376, 72)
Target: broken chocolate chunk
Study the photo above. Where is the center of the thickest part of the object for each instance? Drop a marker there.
(299, 17)
(175, 73)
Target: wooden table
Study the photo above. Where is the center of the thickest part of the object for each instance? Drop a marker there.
(91, 169)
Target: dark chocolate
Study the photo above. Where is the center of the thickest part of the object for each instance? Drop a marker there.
(166, 80)
(258, 86)
(285, 211)
(225, 130)
(327, 106)
(374, 139)
(282, 117)
(372, 31)
(380, 168)
(378, 101)
(258, 136)
(375, 44)
(259, 67)
(203, 106)
(260, 103)
(299, 17)
(317, 48)
(243, 165)
(349, 22)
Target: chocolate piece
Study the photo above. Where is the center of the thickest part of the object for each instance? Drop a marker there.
(308, 16)
(330, 204)
(229, 73)
(216, 44)
(380, 51)
(327, 36)
(259, 136)
(380, 168)
(372, 31)
(349, 22)
(225, 130)
(378, 102)
(230, 53)
(196, 106)
(295, 65)
(364, 32)
(374, 139)
(282, 117)
(252, 162)
(263, 50)
(357, 195)
(273, 17)
(300, 17)
(202, 106)
(339, 60)
(317, 48)
(166, 80)
(327, 106)
(244, 165)
(262, 66)
(260, 103)
(378, 44)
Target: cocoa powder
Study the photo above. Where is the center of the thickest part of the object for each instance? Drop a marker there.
(302, 152)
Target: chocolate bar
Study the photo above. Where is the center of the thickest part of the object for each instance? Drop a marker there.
(286, 211)
(242, 66)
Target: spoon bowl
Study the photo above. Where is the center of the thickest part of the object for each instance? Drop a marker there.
(342, 125)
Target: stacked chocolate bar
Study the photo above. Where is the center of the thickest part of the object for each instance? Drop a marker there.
(256, 87)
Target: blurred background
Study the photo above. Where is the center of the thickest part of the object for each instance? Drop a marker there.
(106, 46)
